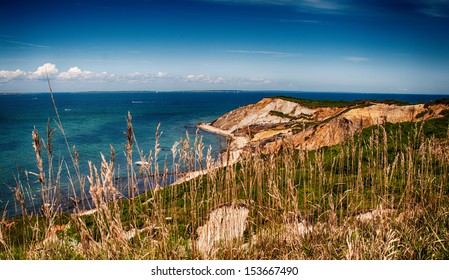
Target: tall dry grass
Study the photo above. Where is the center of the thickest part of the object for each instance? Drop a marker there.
(379, 195)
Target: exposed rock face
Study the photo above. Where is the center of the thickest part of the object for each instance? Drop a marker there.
(272, 121)
(225, 224)
(259, 114)
(340, 127)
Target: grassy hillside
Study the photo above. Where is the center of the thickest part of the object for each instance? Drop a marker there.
(383, 194)
(312, 103)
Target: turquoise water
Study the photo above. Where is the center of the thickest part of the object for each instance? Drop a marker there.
(93, 121)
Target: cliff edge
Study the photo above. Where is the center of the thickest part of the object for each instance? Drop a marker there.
(307, 124)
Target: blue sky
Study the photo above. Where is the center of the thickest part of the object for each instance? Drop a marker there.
(307, 45)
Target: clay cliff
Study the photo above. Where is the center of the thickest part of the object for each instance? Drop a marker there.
(273, 121)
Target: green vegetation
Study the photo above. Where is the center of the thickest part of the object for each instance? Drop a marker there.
(389, 102)
(382, 194)
(282, 115)
(444, 113)
(437, 128)
(420, 115)
(311, 103)
(444, 101)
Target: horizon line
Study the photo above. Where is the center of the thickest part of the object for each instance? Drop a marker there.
(221, 90)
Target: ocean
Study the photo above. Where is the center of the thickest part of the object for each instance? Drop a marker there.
(94, 121)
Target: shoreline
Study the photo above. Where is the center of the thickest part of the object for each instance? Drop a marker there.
(209, 128)
(236, 143)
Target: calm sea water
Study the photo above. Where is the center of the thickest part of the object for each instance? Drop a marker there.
(93, 121)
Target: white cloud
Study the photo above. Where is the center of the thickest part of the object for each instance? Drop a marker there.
(161, 74)
(75, 73)
(87, 79)
(44, 70)
(205, 79)
(218, 80)
(356, 58)
(261, 81)
(193, 78)
(144, 77)
(72, 73)
(137, 76)
(11, 75)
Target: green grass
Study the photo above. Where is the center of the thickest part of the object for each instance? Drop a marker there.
(311, 103)
(444, 101)
(282, 115)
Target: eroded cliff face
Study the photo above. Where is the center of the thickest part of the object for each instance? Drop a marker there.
(263, 113)
(273, 121)
(259, 114)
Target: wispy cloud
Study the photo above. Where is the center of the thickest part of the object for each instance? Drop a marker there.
(161, 74)
(145, 77)
(207, 79)
(322, 4)
(431, 8)
(356, 58)
(302, 5)
(204, 79)
(436, 8)
(271, 53)
(24, 44)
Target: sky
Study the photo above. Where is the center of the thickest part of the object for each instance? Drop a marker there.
(163, 45)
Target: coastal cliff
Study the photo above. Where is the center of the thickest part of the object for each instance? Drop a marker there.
(273, 121)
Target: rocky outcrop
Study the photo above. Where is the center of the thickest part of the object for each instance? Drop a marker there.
(261, 114)
(339, 127)
(273, 121)
(225, 224)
